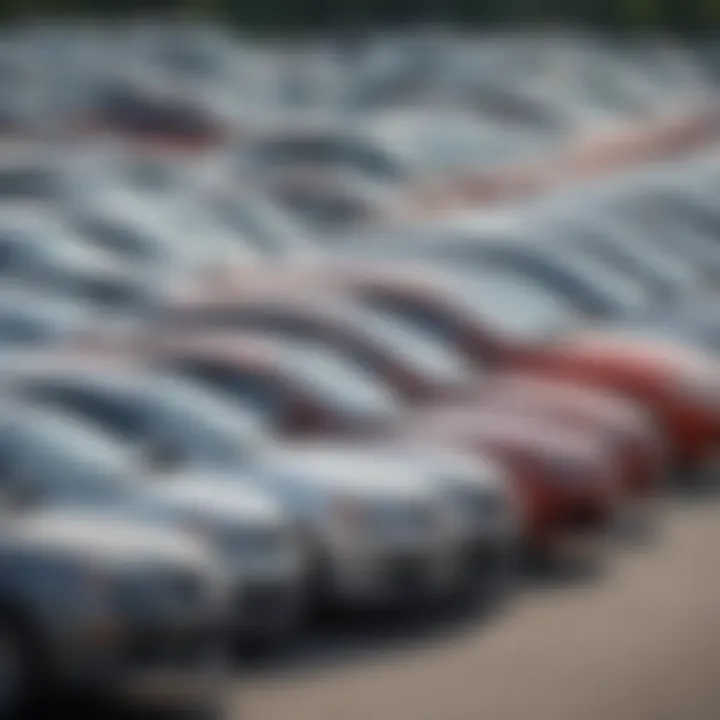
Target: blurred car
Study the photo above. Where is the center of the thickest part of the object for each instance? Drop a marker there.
(534, 327)
(65, 460)
(194, 431)
(433, 355)
(158, 117)
(38, 250)
(95, 604)
(29, 317)
(156, 235)
(200, 430)
(308, 392)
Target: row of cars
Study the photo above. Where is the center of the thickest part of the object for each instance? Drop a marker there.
(219, 417)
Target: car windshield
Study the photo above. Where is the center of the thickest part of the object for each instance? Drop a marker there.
(255, 392)
(639, 255)
(210, 428)
(70, 464)
(425, 351)
(265, 226)
(621, 291)
(44, 320)
(339, 381)
(208, 234)
(513, 303)
(130, 241)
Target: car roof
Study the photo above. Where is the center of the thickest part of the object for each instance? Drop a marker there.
(246, 349)
(298, 284)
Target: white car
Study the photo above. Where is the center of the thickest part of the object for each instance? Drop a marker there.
(97, 604)
(485, 507)
(54, 460)
(256, 541)
(201, 429)
(375, 532)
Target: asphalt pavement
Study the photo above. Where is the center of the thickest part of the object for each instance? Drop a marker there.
(638, 642)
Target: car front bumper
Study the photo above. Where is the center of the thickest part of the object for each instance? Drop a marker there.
(390, 576)
(183, 662)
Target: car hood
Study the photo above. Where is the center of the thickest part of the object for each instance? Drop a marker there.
(641, 354)
(106, 539)
(331, 467)
(510, 429)
(542, 392)
(229, 498)
(445, 465)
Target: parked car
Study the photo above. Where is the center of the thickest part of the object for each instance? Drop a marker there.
(65, 460)
(93, 604)
(534, 329)
(310, 392)
(37, 249)
(200, 430)
(412, 340)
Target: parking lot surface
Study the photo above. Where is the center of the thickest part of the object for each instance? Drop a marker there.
(641, 643)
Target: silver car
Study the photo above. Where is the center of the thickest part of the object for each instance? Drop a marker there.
(488, 512)
(201, 429)
(92, 603)
(375, 533)
(256, 541)
(57, 461)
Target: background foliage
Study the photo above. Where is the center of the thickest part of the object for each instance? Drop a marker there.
(683, 16)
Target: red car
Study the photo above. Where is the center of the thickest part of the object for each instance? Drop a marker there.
(678, 386)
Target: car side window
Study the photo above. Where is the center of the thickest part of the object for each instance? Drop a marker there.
(121, 418)
(251, 390)
(421, 317)
(113, 238)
